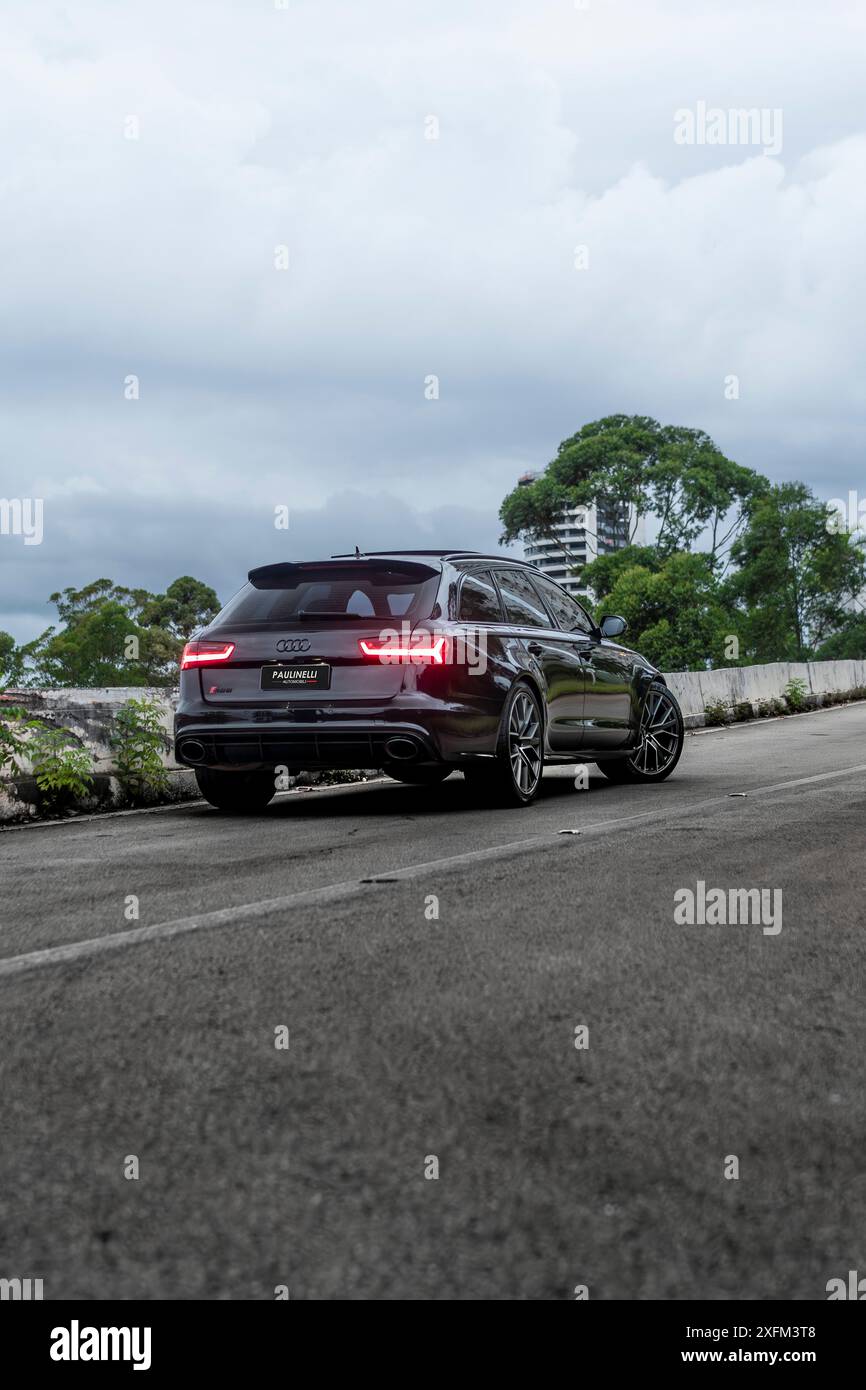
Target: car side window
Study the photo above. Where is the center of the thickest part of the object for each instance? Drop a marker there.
(479, 601)
(523, 607)
(566, 611)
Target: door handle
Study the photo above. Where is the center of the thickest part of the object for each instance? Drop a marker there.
(535, 648)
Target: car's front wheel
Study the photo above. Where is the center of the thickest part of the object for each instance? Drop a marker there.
(513, 777)
(660, 741)
(242, 793)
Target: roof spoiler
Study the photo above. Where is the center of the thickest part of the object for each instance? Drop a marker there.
(286, 573)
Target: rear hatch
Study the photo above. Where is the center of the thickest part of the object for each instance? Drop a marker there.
(296, 630)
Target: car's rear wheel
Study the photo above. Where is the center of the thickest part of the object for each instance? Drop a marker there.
(660, 744)
(242, 793)
(418, 776)
(513, 777)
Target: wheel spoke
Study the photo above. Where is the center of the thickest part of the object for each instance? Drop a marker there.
(668, 719)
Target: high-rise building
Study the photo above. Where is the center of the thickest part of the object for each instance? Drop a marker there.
(584, 533)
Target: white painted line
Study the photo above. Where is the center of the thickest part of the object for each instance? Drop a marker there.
(250, 912)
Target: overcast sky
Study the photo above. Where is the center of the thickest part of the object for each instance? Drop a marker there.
(307, 127)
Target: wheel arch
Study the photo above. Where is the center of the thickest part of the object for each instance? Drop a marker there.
(648, 677)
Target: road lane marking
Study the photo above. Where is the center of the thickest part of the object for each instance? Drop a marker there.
(75, 951)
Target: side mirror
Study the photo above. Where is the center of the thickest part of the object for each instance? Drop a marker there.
(612, 625)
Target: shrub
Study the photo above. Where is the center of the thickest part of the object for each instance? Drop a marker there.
(716, 712)
(62, 768)
(15, 724)
(766, 709)
(795, 693)
(742, 710)
(138, 743)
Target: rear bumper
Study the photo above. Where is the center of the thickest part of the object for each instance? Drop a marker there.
(256, 739)
(302, 748)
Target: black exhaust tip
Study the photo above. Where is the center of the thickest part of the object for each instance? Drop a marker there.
(401, 750)
(193, 751)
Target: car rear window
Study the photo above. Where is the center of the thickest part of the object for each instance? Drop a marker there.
(370, 594)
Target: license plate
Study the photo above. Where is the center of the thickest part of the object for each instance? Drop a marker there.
(312, 677)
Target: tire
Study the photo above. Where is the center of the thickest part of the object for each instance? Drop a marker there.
(656, 756)
(242, 793)
(419, 776)
(513, 777)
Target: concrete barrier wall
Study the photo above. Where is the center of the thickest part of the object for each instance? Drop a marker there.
(89, 715)
(754, 684)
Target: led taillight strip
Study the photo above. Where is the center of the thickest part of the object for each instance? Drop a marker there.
(386, 651)
(200, 654)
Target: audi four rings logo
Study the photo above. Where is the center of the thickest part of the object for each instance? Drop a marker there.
(293, 644)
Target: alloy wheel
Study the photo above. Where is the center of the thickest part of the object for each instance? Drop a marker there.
(659, 735)
(525, 743)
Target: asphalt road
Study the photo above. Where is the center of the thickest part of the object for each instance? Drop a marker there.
(411, 1037)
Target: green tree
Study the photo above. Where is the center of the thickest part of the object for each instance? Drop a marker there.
(794, 579)
(185, 605)
(11, 660)
(605, 573)
(112, 635)
(675, 473)
(673, 604)
(848, 643)
(90, 650)
(73, 605)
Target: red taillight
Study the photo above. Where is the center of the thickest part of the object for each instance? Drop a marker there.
(205, 653)
(427, 651)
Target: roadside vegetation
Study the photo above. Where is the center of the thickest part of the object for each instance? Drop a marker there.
(37, 753)
(138, 743)
(795, 700)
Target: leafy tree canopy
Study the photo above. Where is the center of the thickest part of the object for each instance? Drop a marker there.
(676, 616)
(11, 663)
(676, 473)
(848, 643)
(112, 635)
(795, 579)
